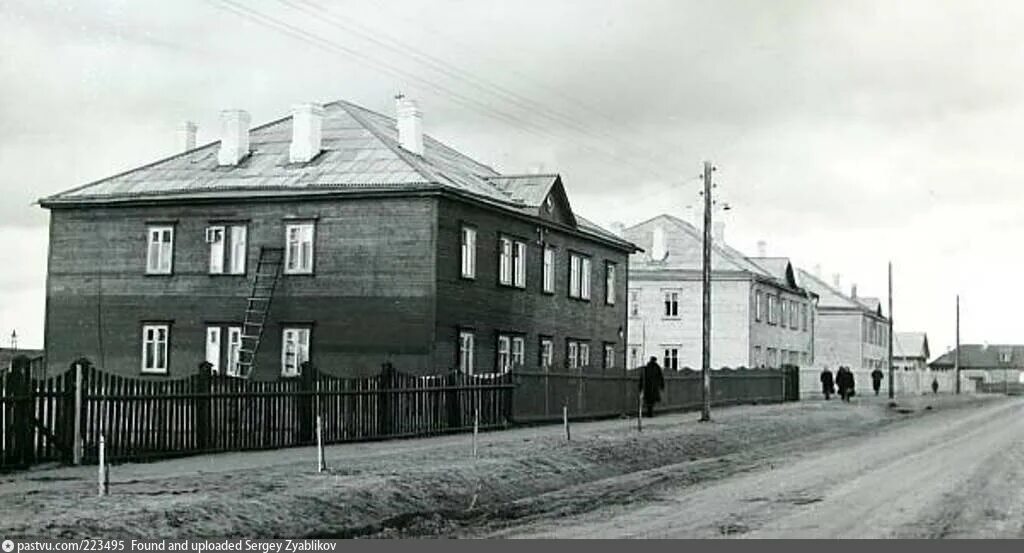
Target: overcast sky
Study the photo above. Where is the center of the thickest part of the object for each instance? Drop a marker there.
(847, 134)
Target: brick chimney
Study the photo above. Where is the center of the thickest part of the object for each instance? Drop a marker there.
(410, 125)
(234, 136)
(187, 136)
(307, 132)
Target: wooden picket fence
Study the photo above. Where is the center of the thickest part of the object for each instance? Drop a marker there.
(62, 418)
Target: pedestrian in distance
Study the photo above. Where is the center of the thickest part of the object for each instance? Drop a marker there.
(844, 380)
(876, 379)
(828, 384)
(652, 382)
(935, 385)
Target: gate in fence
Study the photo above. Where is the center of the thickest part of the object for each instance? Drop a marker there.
(62, 418)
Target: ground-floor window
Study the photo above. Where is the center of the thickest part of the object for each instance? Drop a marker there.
(222, 346)
(466, 347)
(634, 356)
(294, 350)
(609, 356)
(578, 354)
(670, 359)
(155, 341)
(547, 353)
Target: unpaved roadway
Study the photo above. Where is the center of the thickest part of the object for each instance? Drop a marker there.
(956, 473)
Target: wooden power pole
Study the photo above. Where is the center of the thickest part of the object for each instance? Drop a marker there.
(892, 393)
(705, 365)
(957, 357)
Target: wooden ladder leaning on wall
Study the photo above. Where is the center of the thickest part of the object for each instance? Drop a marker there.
(268, 272)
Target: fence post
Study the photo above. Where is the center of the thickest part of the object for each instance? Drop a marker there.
(103, 476)
(321, 464)
(76, 445)
(307, 381)
(386, 381)
(452, 399)
(24, 406)
(201, 404)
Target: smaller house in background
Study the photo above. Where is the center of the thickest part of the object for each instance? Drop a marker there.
(7, 356)
(984, 363)
(910, 351)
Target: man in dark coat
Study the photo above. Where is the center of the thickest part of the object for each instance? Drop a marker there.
(844, 380)
(935, 385)
(652, 382)
(876, 379)
(828, 385)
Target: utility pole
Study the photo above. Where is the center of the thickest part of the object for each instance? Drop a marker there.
(705, 366)
(957, 360)
(892, 393)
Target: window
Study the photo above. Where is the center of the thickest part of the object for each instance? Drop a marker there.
(299, 248)
(512, 262)
(782, 310)
(609, 356)
(504, 353)
(468, 252)
(794, 319)
(609, 283)
(671, 304)
(215, 238)
(772, 358)
(511, 352)
(757, 356)
(505, 261)
(671, 358)
(295, 351)
(227, 255)
(579, 276)
(155, 338)
(771, 309)
(634, 303)
(758, 314)
(803, 316)
(466, 347)
(549, 269)
(213, 348)
(634, 356)
(160, 251)
(519, 263)
(234, 345)
(547, 353)
(578, 354)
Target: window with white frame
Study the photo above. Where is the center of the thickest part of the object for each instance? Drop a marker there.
(519, 265)
(298, 258)
(634, 303)
(549, 269)
(468, 252)
(505, 261)
(803, 316)
(579, 276)
(213, 348)
(609, 356)
(771, 309)
(670, 360)
(634, 356)
(518, 351)
(234, 347)
(227, 249)
(215, 238)
(758, 311)
(504, 353)
(609, 283)
(782, 311)
(294, 351)
(671, 303)
(578, 354)
(794, 322)
(155, 342)
(547, 353)
(512, 262)
(466, 348)
(160, 250)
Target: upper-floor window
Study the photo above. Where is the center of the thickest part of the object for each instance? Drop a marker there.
(772, 314)
(671, 304)
(160, 250)
(294, 351)
(468, 252)
(609, 283)
(549, 269)
(793, 316)
(512, 262)
(299, 248)
(634, 303)
(466, 347)
(579, 276)
(758, 314)
(803, 316)
(783, 303)
(155, 342)
(227, 249)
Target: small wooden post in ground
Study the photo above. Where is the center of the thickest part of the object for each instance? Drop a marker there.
(103, 476)
(76, 445)
(565, 421)
(476, 429)
(321, 464)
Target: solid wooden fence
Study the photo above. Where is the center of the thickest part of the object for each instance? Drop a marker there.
(149, 418)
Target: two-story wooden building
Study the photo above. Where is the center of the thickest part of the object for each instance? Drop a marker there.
(760, 316)
(338, 236)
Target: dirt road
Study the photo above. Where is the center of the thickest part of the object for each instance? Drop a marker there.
(956, 473)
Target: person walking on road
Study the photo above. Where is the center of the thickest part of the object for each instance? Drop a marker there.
(935, 385)
(651, 384)
(844, 380)
(828, 384)
(876, 379)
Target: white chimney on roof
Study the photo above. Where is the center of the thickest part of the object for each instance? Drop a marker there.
(835, 281)
(307, 132)
(410, 125)
(762, 248)
(718, 231)
(187, 136)
(234, 136)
